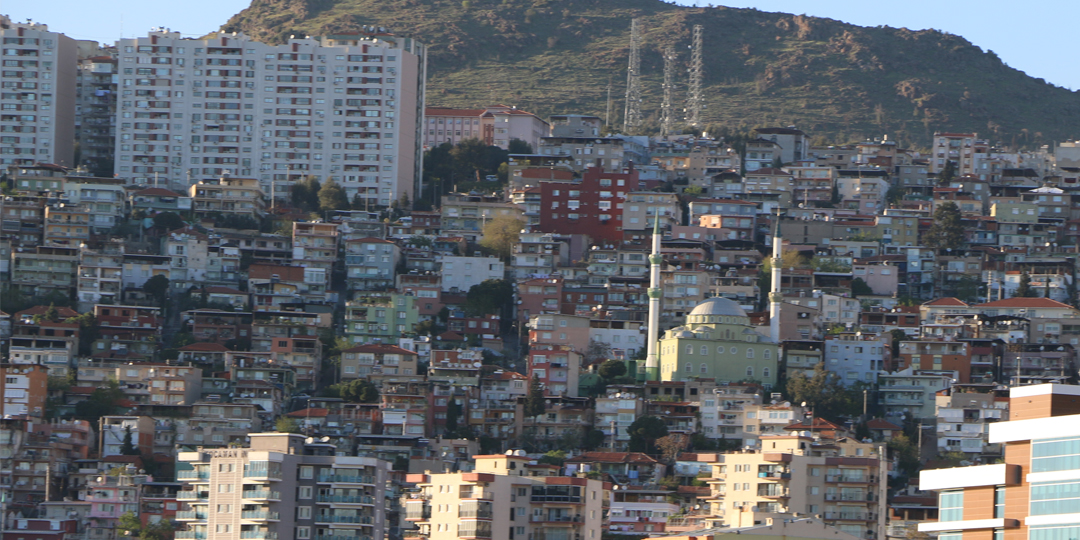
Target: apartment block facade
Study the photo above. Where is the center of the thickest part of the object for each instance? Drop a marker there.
(347, 108)
(281, 488)
(1032, 494)
(506, 497)
(37, 101)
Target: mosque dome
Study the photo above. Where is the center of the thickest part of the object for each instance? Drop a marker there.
(719, 306)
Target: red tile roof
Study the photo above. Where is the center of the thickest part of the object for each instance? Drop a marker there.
(946, 302)
(310, 413)
(61, 312)
(1025, 303)
(444, 111)
(284, 273)
(612, 457)
(817, 424)
(878, 423)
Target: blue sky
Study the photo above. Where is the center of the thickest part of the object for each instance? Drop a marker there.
(1035, 37)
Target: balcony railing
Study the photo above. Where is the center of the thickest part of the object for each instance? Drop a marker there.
(325, 518)
(190, 515)
(189, 535)
(262, 515)
(258, 535)
(191, 495)
(261, 494)
(346, 499)
(192, 475)
(347, 479)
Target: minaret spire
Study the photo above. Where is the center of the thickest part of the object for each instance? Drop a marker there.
(652, 360)
(776, 298)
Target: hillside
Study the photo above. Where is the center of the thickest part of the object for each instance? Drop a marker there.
(837, 81)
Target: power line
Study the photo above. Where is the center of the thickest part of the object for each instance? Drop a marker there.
(632, 117)
(694, 99)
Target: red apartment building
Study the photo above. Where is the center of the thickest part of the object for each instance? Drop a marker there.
(593, 205)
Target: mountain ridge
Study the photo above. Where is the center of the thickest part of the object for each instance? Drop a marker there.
(837, 81)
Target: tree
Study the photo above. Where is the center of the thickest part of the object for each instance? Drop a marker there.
(947, 232)
(906, 453)
(898, 336)
(611, 369)
(168, 221)
(127, 448)
(501, 233)
(332, 197)
(133, 527)
(824, 393)
(967, 288)
(89, 331)
(286, 424)
(518, 146)
(103, 401)
(672, 445)
(453, 412)
(860, 288)
(49, 315)
(534, 401)
(596, 352)
(158, 287)
(488, 297)
(553, 457)
(644, 433)
(828, 264)
(355, 391)
(1025, 290)
(947, 174)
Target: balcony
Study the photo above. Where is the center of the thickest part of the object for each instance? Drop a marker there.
(256, 474)
(850, 516)
(556, 518)
(848, 479)
(260, 515)
(258, 535)
(192, 495)
(186, 516)
(261, 495)
(475, 513)
(343, 499)
(775, 475)
(849, 497)
(325, 518)
(340, 537)
(345, 479)
(193, 475)
(189, 535)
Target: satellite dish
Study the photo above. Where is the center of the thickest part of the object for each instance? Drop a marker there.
(477, 364)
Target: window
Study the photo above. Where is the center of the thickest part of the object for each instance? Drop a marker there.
(951, 505)
(303, 512)
(720, 349)
(1055, 454)
(765, 373)
(307, 472)
(689, 368)
(704, 350)
(749, 353)
(704, 368)
(303, 532)
(749, 371)
(305, 493)
(999, 502)
(1049, 498)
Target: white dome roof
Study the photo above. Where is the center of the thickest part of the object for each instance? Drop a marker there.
(719, 306)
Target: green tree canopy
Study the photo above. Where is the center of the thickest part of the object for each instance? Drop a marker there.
(158, 287)
(500, 235)
(947, 232)
(824, 393)
(332, 197)
(488, 297)
(644, 433)
(611, 369)
(534, 401)
(285, 424)
(103, 401)
(1025, 290)
(518, 146)
(859, 287)
(168, 221)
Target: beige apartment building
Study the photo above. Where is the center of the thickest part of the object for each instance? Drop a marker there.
(280, 488)
(38, 98)
(844, 482)
(241, 196)
(505, 497)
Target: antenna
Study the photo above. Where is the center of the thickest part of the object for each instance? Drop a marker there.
(667, 116)
(633, 89)
(694, 101)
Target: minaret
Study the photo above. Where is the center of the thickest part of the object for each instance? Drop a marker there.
(775, 297)
(652, 360)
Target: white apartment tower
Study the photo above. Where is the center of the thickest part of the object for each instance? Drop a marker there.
(37, 98)
(347, 108)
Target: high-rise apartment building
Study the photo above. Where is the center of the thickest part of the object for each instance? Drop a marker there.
(505, 497)
(1032, 495)
(347, 108)
(95, 110)
(280, 488)
(37, 98)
